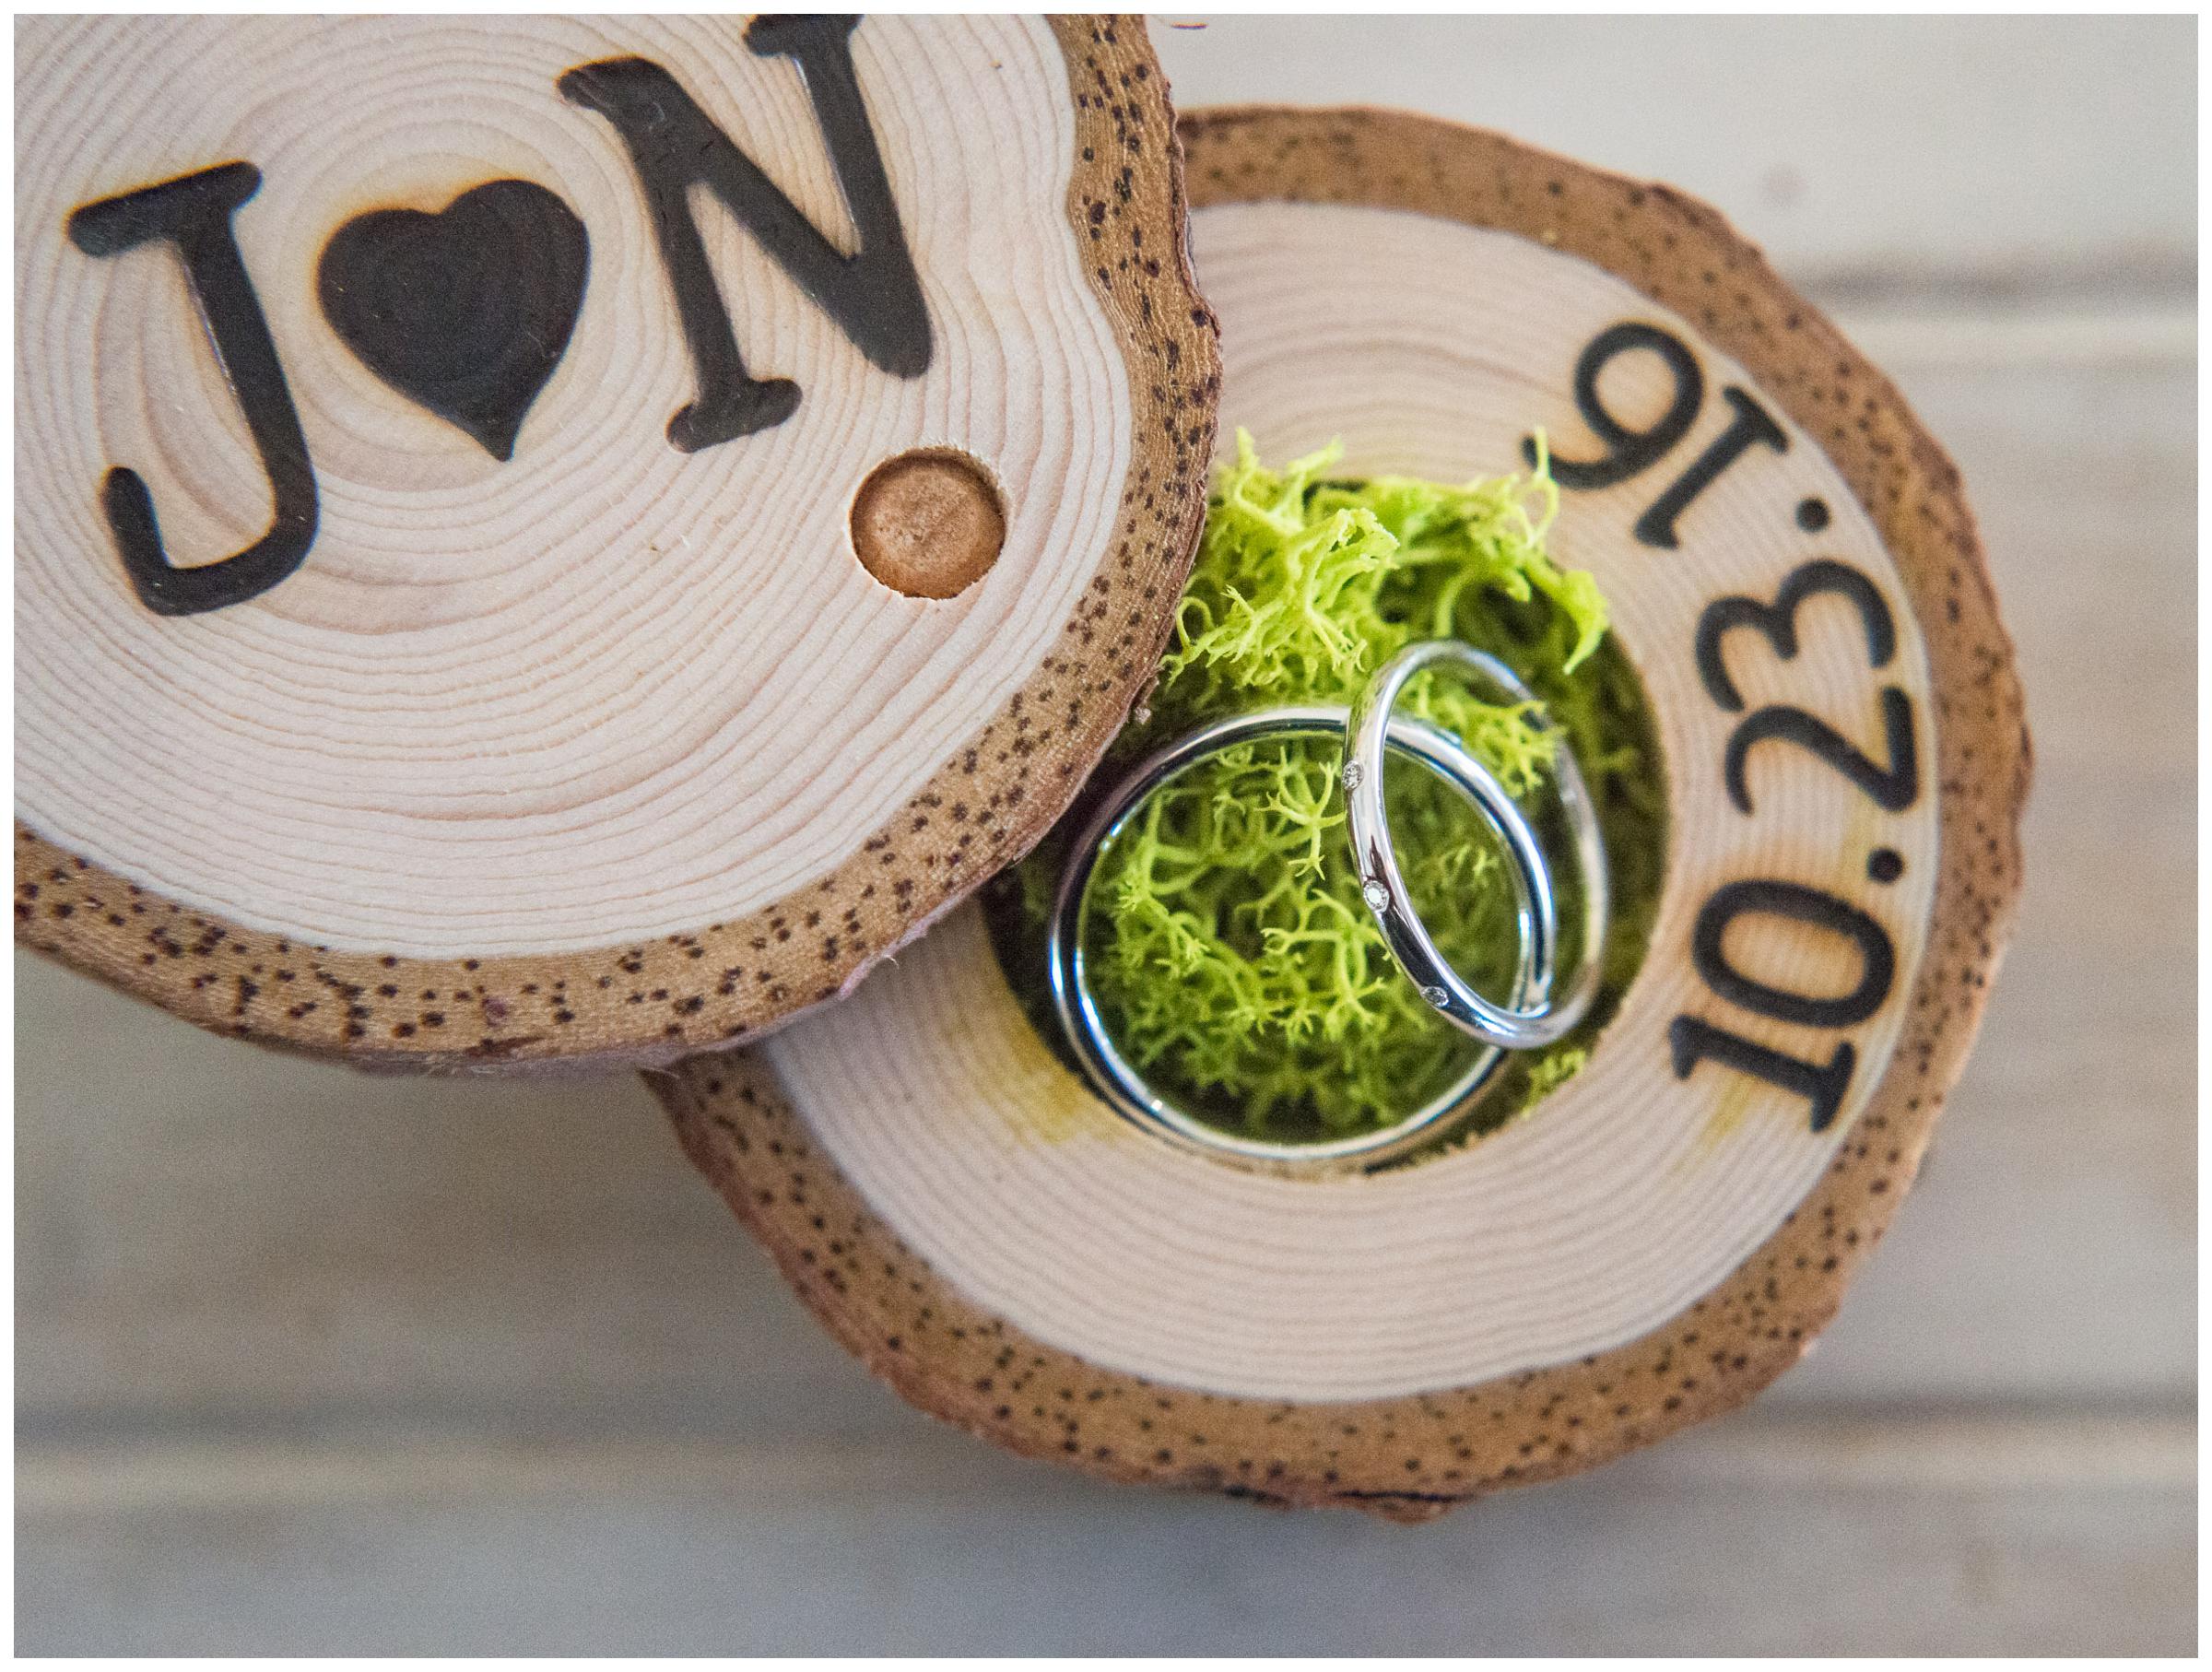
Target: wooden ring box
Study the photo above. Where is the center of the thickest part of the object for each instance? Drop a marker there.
(663, 769)
(573, 685)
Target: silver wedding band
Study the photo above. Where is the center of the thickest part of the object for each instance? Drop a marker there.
(1367, 728)
(1514, 1026)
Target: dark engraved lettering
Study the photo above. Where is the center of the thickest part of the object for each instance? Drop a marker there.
(874, 295)
(194, 212)
(1752, 427)
(1822, 1085)
(1894, 787)
(1778, 621)
(1766, 896)
(1627, 450)
(465, 312)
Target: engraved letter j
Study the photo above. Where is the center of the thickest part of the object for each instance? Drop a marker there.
(193, 213)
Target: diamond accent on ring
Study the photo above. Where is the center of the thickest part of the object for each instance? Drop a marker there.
(1437, 996)
(1353, 777)
(1376, 892)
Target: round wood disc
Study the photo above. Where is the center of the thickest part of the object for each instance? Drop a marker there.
(1796, 576)
(551, 536)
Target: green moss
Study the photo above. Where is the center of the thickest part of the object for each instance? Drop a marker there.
(1231, 953)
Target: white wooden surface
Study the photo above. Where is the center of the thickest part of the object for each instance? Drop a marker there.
(313, 1361)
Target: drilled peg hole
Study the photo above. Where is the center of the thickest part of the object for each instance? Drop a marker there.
(928, 523)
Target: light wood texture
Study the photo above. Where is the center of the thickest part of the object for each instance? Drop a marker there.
(1652, 1246)
(613, 747)
(1871, 158)
(1429, 349)
(1958, 1538)
(257, 1265)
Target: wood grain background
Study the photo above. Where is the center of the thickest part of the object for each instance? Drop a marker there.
(309, 1362)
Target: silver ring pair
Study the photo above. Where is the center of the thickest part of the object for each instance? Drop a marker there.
(1530, 1017)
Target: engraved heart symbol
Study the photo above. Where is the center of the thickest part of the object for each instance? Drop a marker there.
(465, 312)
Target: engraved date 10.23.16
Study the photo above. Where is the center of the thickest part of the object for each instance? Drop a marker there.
(1890, 781)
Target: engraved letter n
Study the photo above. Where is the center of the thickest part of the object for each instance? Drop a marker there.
(874, 295)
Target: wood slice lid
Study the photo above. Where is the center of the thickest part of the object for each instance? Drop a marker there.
(547, 536)
(1796, 578)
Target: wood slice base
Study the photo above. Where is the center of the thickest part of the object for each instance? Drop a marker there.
(1665, 1234)
(560, 698)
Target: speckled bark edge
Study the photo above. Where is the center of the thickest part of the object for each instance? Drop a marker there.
(654, 1001)
(1413, 1458)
